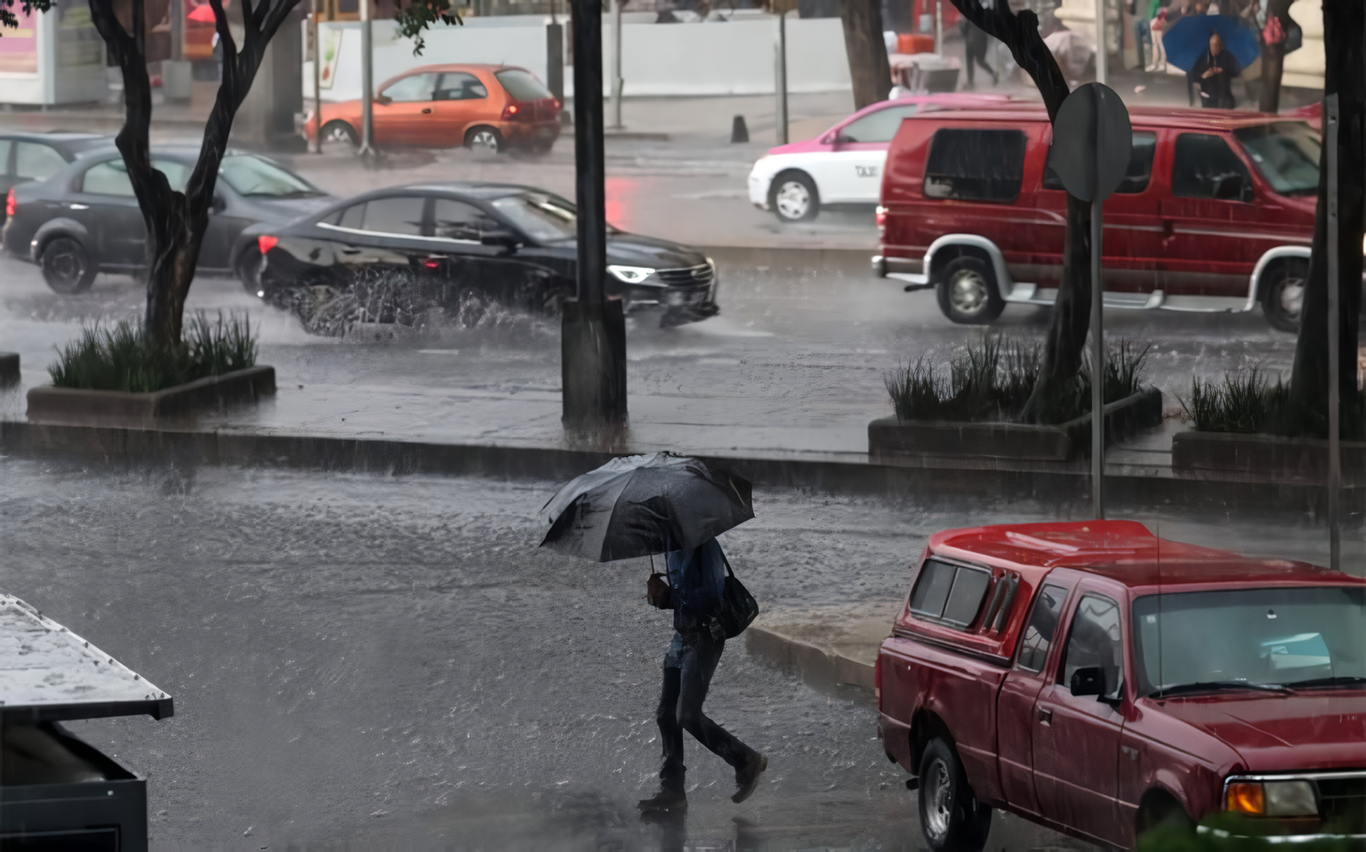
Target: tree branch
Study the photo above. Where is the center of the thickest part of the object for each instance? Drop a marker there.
(1020, 33)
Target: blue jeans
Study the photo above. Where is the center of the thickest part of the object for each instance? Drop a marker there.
(688, 669)
(1143, 34)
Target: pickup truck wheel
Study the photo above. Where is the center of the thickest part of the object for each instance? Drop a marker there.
(968, 293)
(951, 818)
(1163, 813)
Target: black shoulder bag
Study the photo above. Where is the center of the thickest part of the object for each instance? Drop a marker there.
(738, 607)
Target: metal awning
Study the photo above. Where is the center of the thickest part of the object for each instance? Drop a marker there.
(48, 673)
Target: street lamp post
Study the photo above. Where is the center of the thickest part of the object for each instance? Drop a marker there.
(1102, 49)
(780, 78)
(593, 336)
(618, 84)
(367, 81)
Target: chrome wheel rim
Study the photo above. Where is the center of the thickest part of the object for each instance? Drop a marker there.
(66, 265)
(336, 135)
(967, 291)
(484, 140)
(939, 790)
(793, 200)
(1290, 297)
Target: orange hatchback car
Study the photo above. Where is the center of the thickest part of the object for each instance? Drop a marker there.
(484, 107)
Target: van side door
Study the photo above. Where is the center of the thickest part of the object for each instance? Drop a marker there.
(1077, 737)
(1210, 219)
(1019, 693)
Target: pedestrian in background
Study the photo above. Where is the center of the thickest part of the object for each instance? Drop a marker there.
(1214, 72)
(696, 582)
(975, 43)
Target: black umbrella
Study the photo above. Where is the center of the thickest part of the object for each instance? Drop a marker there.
(639, 505)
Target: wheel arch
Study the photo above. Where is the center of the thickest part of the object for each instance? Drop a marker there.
(949, 247)
(1265, 264)
(1153, 801)
(927, 725)
(61, 227)
(793, 170)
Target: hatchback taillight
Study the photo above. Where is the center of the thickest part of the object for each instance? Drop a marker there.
(265, 244)
(11, 206)
(516, 112)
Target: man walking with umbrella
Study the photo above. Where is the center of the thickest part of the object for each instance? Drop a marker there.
(663, 503)
(1214, 72)
(696, 581)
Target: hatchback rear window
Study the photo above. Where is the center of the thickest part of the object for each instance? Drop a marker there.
(522, 86)
(976, 165)
(952, 594)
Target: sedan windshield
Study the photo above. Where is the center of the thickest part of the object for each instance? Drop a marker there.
(1298, 637)
(1286, 153)
(543, 217)
(255, 178)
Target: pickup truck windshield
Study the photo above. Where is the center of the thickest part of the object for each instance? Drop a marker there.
(1204, 641)
(1286, 153)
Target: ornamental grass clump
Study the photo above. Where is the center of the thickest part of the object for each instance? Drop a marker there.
(991, 379)
(120, 357)
(1245, 403)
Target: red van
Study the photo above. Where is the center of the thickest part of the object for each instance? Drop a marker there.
(1216, 212)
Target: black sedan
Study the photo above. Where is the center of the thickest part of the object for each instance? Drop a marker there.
(402, 251)
(85, 218)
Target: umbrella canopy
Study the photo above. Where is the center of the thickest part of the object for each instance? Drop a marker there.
(639, 505)
(202, 14)
(1188, 39)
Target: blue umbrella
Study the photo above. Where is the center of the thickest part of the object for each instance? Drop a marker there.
(1188, 39)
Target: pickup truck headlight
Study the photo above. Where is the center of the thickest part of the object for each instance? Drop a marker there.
(1272, 798)
(631, 274)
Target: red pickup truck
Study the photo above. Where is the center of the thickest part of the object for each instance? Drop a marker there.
(1101, 681)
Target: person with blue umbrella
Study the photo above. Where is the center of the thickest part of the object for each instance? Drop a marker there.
(1213, 72)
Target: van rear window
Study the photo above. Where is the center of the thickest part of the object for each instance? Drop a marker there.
(949, 593)
(976, 165)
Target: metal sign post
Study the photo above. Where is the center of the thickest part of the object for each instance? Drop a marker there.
(780, 78)
(1102, 49)
(1334, 339)
(618, 84)
(1094, 140)
(939, 27)
(317, 77)
(367, 81)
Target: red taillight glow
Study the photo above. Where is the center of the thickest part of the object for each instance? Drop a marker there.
(11, 206)
(510, 112)
(881, 222)
(265, 244)
(432, 264)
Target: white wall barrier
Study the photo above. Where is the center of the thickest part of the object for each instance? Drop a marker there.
(714, 58)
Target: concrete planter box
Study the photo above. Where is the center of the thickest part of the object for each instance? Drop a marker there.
(1287, 459)
(9, 369)
(215, 393)
(889, 437)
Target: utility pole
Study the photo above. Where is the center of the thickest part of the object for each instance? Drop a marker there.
(317, 77)
(618, 84)
(367, 82)
(593, 335)
(939, 27)
(554, 55)
(1330, 149)
(780, 78)
(1102, 49)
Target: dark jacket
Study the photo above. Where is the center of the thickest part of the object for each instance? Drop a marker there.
(698, 580)
(1216, 91)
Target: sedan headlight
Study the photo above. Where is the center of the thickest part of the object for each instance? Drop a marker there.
(631, 274)
(1272, 798)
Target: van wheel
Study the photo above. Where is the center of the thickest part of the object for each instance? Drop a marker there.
(67, 267)
(1283, 294)
(968, 293)
(951, 818)
(793, 197)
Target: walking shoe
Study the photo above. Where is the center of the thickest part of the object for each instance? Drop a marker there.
(747, 776)
(668, 801)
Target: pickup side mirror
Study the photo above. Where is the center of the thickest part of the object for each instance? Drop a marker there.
(1088, 681)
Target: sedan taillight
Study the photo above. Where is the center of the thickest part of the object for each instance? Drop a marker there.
(11, 206)
(265, 244)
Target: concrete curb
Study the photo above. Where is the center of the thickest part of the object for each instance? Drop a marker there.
(1133, 488)
(816, 666)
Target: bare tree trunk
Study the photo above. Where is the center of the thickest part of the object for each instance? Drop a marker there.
(1072, 309)
(1273, 59)
(868, 67)
(1344, 66)
(176, 220)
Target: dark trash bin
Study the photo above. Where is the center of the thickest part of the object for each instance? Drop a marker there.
(58, 792)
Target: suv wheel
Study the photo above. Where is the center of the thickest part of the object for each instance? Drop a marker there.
(67, 267)
(793, 197)
(951, 818)
(968, 293)
(1283, 294)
